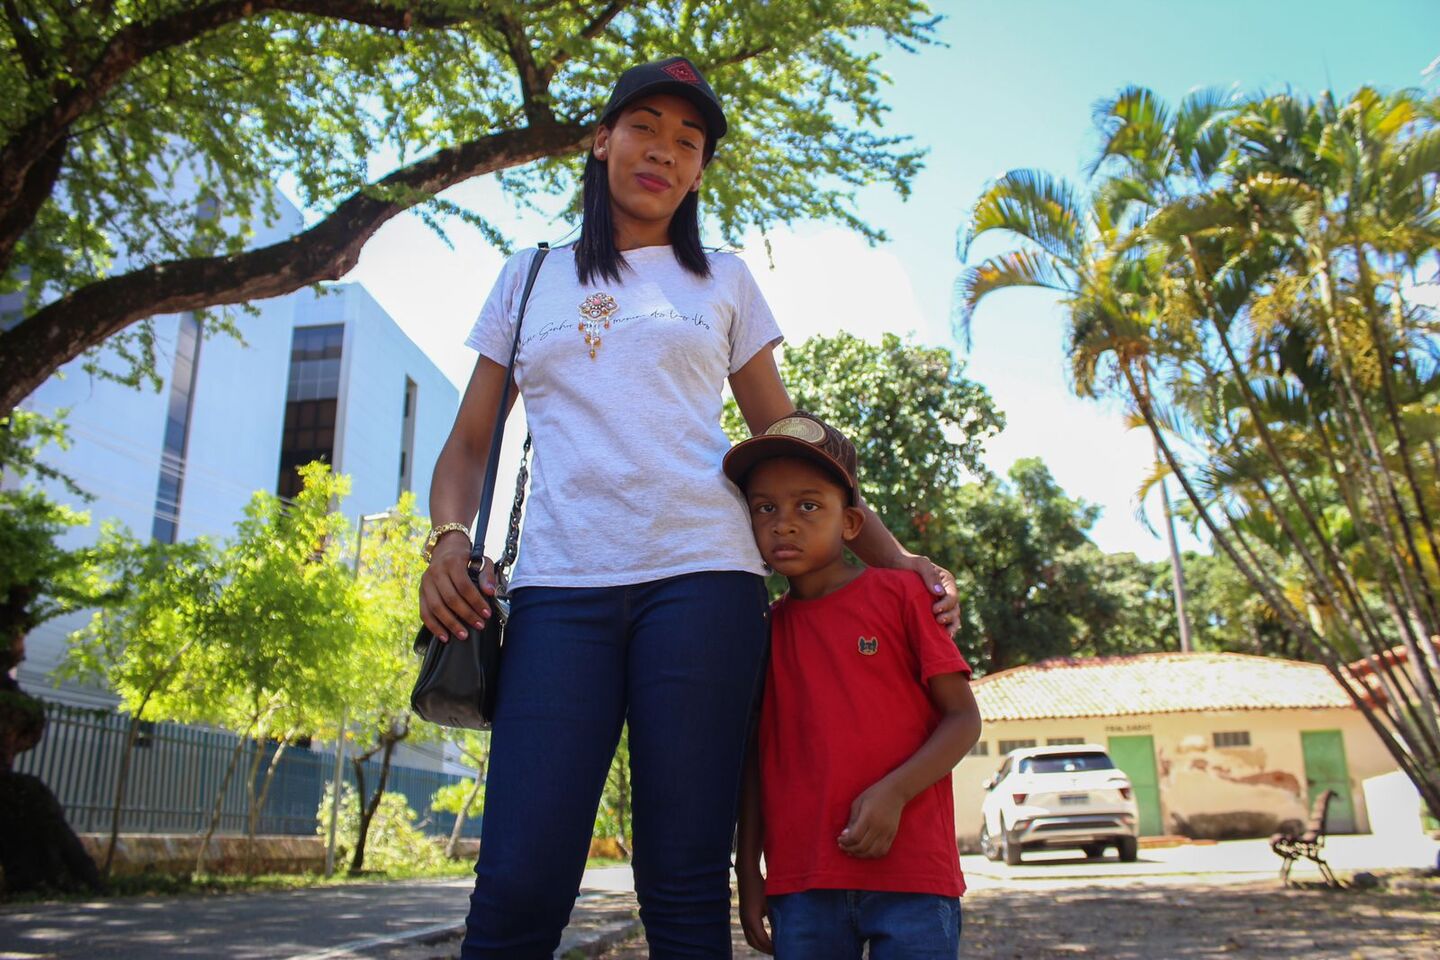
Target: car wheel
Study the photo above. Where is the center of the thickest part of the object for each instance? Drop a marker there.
(1094, 851)
(1009, 849)
(1129, 849)
(987, 843)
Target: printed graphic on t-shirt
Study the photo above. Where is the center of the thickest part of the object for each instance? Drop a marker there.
(593, 327)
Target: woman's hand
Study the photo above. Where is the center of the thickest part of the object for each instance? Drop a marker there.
(449, 602)
(940, 584)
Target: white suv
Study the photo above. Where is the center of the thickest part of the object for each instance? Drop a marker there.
(1057, 798)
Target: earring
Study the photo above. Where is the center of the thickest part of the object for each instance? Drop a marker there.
(600, 154)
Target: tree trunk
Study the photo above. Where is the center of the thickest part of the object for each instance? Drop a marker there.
(38, 850)
(455, 832)
(121, 782)
(369, 805)
(219, 805)
(258, 802)
(128, 754)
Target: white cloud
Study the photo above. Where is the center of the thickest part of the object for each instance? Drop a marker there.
(826, 279)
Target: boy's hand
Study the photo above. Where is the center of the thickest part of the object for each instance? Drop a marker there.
(874, 819)
(754, 911)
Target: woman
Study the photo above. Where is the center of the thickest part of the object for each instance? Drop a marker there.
(638, 594)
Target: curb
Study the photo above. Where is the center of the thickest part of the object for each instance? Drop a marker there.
(592, 947)
(588, 938)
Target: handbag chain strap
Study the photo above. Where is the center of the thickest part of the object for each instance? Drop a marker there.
(492, 462)
(512, 537)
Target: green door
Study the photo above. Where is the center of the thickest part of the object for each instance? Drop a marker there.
(1325, 769)
(1136, 756)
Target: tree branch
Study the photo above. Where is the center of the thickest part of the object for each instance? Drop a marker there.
(595, 27)
(742, 55)
(61, 331)
(24, 42)
(592, 30)
(534, 83)
(20, 211)
(135, 42)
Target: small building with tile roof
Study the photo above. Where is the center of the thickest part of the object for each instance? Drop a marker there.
(1217, 745)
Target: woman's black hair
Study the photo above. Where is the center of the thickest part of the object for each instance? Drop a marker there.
(597, 256)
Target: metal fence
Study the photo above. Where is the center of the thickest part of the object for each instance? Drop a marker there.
(175, 771)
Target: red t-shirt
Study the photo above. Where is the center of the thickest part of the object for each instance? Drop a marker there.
(846, 703)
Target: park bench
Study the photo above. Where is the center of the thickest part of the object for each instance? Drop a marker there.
(1292, 846)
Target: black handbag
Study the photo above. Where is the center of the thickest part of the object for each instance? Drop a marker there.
(458, 679)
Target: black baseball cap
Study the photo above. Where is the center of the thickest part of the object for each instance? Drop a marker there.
(802, 435)
(675, 75)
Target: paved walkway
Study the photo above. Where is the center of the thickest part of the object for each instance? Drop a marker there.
(1231, 860)
(1212, 901)
(1195, 900)
(349, 922)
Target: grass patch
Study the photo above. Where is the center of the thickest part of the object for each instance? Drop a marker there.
(605, 862)
(173, 885)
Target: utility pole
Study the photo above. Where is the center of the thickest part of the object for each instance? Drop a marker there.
(1177, 572)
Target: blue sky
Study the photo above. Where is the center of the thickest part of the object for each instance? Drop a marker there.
(1012, 87)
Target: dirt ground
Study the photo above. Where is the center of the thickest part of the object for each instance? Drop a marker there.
(1163, 919)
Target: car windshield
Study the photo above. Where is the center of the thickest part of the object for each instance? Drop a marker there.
(1066, 763)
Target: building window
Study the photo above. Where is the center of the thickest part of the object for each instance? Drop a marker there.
(310, 402)
(1008, 746)
(1233, 739)
(166, 525)
(1063, 741)
(981, 749)
(407, 438)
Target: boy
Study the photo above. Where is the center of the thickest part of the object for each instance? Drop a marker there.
(867, 708)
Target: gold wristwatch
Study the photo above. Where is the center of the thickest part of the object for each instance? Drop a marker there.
(437, 532)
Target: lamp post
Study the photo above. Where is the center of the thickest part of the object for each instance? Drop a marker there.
(345, 714)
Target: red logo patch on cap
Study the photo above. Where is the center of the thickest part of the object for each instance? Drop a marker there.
(681, 71)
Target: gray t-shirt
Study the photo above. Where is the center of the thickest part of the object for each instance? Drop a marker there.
(626, 485)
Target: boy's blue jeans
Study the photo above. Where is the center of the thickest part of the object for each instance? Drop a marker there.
(836, 925)
(681, 660)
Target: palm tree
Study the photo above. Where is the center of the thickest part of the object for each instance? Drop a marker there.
(1238, 274)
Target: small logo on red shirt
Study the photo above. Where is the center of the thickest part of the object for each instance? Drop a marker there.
(682, 72)
(868, 647)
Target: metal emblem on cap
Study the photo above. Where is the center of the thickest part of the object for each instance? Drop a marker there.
(801, 428)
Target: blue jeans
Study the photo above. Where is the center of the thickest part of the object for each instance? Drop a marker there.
(681, 659)
(836, 925)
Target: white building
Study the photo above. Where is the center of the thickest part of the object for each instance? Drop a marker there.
(319, 376)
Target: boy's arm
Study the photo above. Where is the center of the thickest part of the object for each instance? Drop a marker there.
(876, 546)
(753, 909)
(875, 814)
